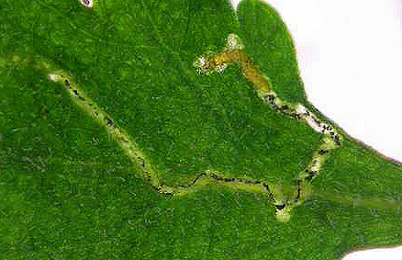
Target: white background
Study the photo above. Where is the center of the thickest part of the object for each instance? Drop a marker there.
(350, 59)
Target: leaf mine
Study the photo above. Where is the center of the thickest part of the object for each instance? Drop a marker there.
(234, 53)
(87, 3)
(129, 146)
(206, 64)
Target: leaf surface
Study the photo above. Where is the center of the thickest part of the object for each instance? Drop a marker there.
(70, 189)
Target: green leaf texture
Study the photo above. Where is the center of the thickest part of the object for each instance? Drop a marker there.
(68, 190)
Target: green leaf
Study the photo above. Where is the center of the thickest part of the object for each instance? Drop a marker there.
(113, 145)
